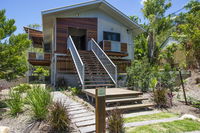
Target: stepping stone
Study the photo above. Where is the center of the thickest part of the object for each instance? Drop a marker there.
(82, 115)
(87, 129)
(85, 123)
(76, 108)
(142, 123)
(80, 119)
(78, 112)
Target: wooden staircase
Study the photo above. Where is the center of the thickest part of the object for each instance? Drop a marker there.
(122, 99)
(95, 74)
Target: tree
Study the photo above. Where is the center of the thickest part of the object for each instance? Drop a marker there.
(12, 49)
(158, 26)
(188, 31)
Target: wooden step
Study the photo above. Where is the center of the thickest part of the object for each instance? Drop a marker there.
(125, 100)
(130, 107)
(99, 85)
(89, 77)
(93, 81)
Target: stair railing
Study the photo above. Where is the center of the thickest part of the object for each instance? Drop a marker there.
(105, 61)
(80, 67)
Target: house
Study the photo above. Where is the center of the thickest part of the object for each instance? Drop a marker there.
(86, 44)
(179, 55)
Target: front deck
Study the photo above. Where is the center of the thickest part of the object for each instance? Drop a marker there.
(113, 92)
(122, 98)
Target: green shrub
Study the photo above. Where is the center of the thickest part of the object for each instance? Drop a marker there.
(3, 104)
(75, 91)
(115, 122)
(139, 74)
(22, 88)
(39, 100)
(160, 98)
(15, 103)
(59, 118)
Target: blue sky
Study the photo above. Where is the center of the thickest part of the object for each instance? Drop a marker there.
(29, 11)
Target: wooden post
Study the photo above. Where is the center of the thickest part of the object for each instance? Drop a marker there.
(183, 87)
(100, 111)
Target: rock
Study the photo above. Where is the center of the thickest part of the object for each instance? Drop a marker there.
(188, 116)
(4, 129)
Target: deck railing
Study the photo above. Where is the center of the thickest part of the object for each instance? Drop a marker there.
(105, 61)
(39, 56)
(80, 67)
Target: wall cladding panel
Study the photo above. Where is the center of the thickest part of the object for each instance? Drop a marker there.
(90, 24)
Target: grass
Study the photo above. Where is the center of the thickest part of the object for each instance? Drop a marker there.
(156, 116)
(15, 103)
(178, 126)
(39, 100)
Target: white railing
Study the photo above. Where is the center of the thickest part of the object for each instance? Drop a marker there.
(80, 67)
(105, 61)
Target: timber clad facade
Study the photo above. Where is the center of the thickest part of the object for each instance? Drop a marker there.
(93, 27)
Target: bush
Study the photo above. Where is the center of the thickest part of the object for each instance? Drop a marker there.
(59, 118)
(160, 98)
(139, 74)
(115, 122)
(22, 88)
(39, 99)
(15, 103)
(61, 83)
(75, 91)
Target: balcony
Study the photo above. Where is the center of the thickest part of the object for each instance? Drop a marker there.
(39, 59)
(113, 48)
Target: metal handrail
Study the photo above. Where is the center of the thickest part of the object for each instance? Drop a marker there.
(105, 61)
(80, 67)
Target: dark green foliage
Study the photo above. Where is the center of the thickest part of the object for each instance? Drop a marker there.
(59, 118)
(3, 104)
(39, 100)
(115, 122)
(15, 103)
(12, 49)
(22, 88)
(61, 83)
(75, 91)
(139, 74)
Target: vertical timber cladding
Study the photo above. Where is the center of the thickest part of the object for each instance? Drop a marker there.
(90, 24)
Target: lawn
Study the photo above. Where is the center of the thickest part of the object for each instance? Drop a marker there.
(156, 116)
(178, 126)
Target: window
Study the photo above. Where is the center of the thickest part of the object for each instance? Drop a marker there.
(111, 36)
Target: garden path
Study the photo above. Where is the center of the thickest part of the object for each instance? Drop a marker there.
(81, 117)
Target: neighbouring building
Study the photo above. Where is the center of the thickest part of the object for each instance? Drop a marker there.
(86, 44)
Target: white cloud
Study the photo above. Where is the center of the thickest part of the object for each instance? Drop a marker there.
(142, 2)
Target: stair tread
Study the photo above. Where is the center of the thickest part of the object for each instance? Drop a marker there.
(96, 81)
(126, 99)
(99, 85)
(129, 107)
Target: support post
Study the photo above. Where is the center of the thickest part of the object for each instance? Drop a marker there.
(183, 87)
(100, 111)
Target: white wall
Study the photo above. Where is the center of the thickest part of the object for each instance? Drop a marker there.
(106, 23)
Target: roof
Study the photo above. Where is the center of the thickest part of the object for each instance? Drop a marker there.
(96, 2)
(169, 41)
(36, 36)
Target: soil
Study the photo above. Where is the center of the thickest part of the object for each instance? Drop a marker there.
(23, 122)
